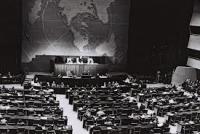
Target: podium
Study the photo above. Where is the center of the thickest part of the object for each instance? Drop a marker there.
(79, 69)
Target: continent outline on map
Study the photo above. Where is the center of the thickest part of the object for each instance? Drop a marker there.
(105, 40)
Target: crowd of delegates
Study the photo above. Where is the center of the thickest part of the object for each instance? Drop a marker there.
(132, 107)
(79, 60)
(31, 110)
(8, 78)
(61, 83)
(137, 109)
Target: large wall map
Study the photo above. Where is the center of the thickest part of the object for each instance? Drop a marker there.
(75, 27)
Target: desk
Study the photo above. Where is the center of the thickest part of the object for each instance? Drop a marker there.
(12, 80)
(79, 69)
(124, 129)
(29, 118)
(79, 82)
(31, 129)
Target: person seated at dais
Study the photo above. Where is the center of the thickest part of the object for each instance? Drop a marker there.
(79, 60)
(69, 60)
(90, 61)
(53, 84)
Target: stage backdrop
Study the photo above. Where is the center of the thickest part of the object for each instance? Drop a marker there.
(75, 27)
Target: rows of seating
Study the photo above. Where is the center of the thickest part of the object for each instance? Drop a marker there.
(192, 86)
(31, 111)
(131, 109)
(8, 78)
(134, 108)
(111, 109)
(77, 81)
(176, 104)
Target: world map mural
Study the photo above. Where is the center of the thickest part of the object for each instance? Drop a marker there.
(75, 27)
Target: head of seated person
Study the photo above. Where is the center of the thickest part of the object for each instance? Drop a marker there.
(57, 110)
(12, 89)
(47, 110)
(50, 127)
(20, 122)
(53, 84)
(109, 123)
(51, 99)
(38, 127)
(3, 87)
(100, 113)
(62, 84)
(69, 61)
(9, 75)
(3, 121)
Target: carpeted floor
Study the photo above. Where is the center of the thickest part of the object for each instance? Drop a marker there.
(72, 116)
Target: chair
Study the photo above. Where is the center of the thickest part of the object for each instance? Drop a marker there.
(2, 112)
(137, 130)
(4, 131)
(59, 122)
(21, 105)
(35, 122)
(114, 131)
(30, 104)
(186, 129)
(39, 132)
(12, 122)
(49, 123)
(89, 123)
(166, 130)
(37, 105)
(11, 112)
(20, 112)
(58, 111)
(96, 132)
(124, 130)
(22, 122)
(12, 131)
(21, 131)
(62, 131)
(178, 118)
(51, 132)
(194, 115)
(99, 122)
(157, 130)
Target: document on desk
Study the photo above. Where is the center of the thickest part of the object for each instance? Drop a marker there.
(43, 118)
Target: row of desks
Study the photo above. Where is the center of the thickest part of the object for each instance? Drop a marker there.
(36, 118)
(77, 81)
(33, 129)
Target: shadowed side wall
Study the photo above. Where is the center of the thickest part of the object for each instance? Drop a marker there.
(158, 35)
(10, 36)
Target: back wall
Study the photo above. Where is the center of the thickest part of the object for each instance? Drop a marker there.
(75, 27)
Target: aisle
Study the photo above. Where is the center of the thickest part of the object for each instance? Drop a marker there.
(72, 116)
